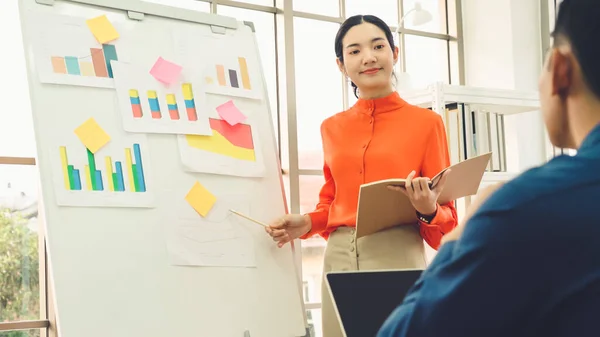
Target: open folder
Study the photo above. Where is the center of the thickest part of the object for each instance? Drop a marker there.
(380, 208)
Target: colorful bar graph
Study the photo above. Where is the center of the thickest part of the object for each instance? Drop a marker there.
(99, 62)
(136, 105)
(72, 65)
(244, 71)
(76, 180)
(190, 105)
(65, 167)
(139, 169)
(118, 177)
(115, 179)
(88, 178)
(92, 168)
(173, 110)
(109, 174)
(87, 69)
(233, 79)
(110, 53)
(154, 106)
(99, 184)
(221, 75)
(129, 165)
(58, 65)
(99, 66)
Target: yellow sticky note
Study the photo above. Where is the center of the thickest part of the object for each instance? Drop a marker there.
(102, 29)
(200, 199)
(92, 135)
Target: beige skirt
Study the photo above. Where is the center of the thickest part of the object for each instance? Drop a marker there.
(395, 248)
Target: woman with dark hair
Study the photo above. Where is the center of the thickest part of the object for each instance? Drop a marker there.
(380, 137)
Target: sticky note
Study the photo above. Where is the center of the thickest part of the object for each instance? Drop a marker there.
(200, 199)
(102, 29)
(165, 71)
(92, 135)
(230, 113)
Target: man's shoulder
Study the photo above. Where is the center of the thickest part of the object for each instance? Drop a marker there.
(558, 178)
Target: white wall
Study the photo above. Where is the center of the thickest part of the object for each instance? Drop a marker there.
(503, 50)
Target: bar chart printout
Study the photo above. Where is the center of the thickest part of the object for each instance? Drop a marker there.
(234, 80)
(67, 53)
(148, 106)
(107, 179)
(96, 64)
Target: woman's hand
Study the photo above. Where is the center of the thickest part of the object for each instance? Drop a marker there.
(288, 228)
(423, 198)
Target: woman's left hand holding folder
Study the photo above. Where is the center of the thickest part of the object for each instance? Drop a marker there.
(423, 198)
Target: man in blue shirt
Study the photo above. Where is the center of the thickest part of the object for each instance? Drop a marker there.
(527, 261)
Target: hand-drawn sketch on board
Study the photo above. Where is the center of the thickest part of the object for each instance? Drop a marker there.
(219, 239)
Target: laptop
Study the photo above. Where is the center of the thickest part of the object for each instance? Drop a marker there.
(364, 299)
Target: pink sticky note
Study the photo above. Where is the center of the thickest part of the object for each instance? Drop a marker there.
(230, 113)
(165, 71)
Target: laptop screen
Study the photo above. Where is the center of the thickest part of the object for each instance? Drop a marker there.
(365, 299)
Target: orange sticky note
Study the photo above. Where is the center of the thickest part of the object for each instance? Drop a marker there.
(200, 199)
(92, 135)
(102, 29)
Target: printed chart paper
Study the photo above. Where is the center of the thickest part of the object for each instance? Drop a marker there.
(117, 175)
(147, 105)
(230, 150)
(66, 52)
(231, 68)
(221, 239)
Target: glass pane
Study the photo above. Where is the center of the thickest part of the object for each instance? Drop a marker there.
(196, 5)
(19, 260)
(24, 333)
(16, 125)
(426, 60)
(318, 86)
(314, 322)
(432, 10)
(454, 64)
(323, 7)
(270, 3)
(264, 24)
(313, 249)
(386, 10)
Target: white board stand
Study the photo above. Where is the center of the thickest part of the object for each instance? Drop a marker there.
(112, 270)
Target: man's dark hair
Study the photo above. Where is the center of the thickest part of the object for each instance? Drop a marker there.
(578, 22)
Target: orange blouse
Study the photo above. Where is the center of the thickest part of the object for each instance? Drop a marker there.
(379, 139)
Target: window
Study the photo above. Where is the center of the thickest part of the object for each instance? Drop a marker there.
(20, 285)
(264, 24)
(426, 60)
(19, 256)
(437, 9)
(318, 86)
(386, 10)
(187, 4)
(323, 7)
(270, 3)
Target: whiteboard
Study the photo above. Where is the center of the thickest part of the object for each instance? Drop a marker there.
(128, 254)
